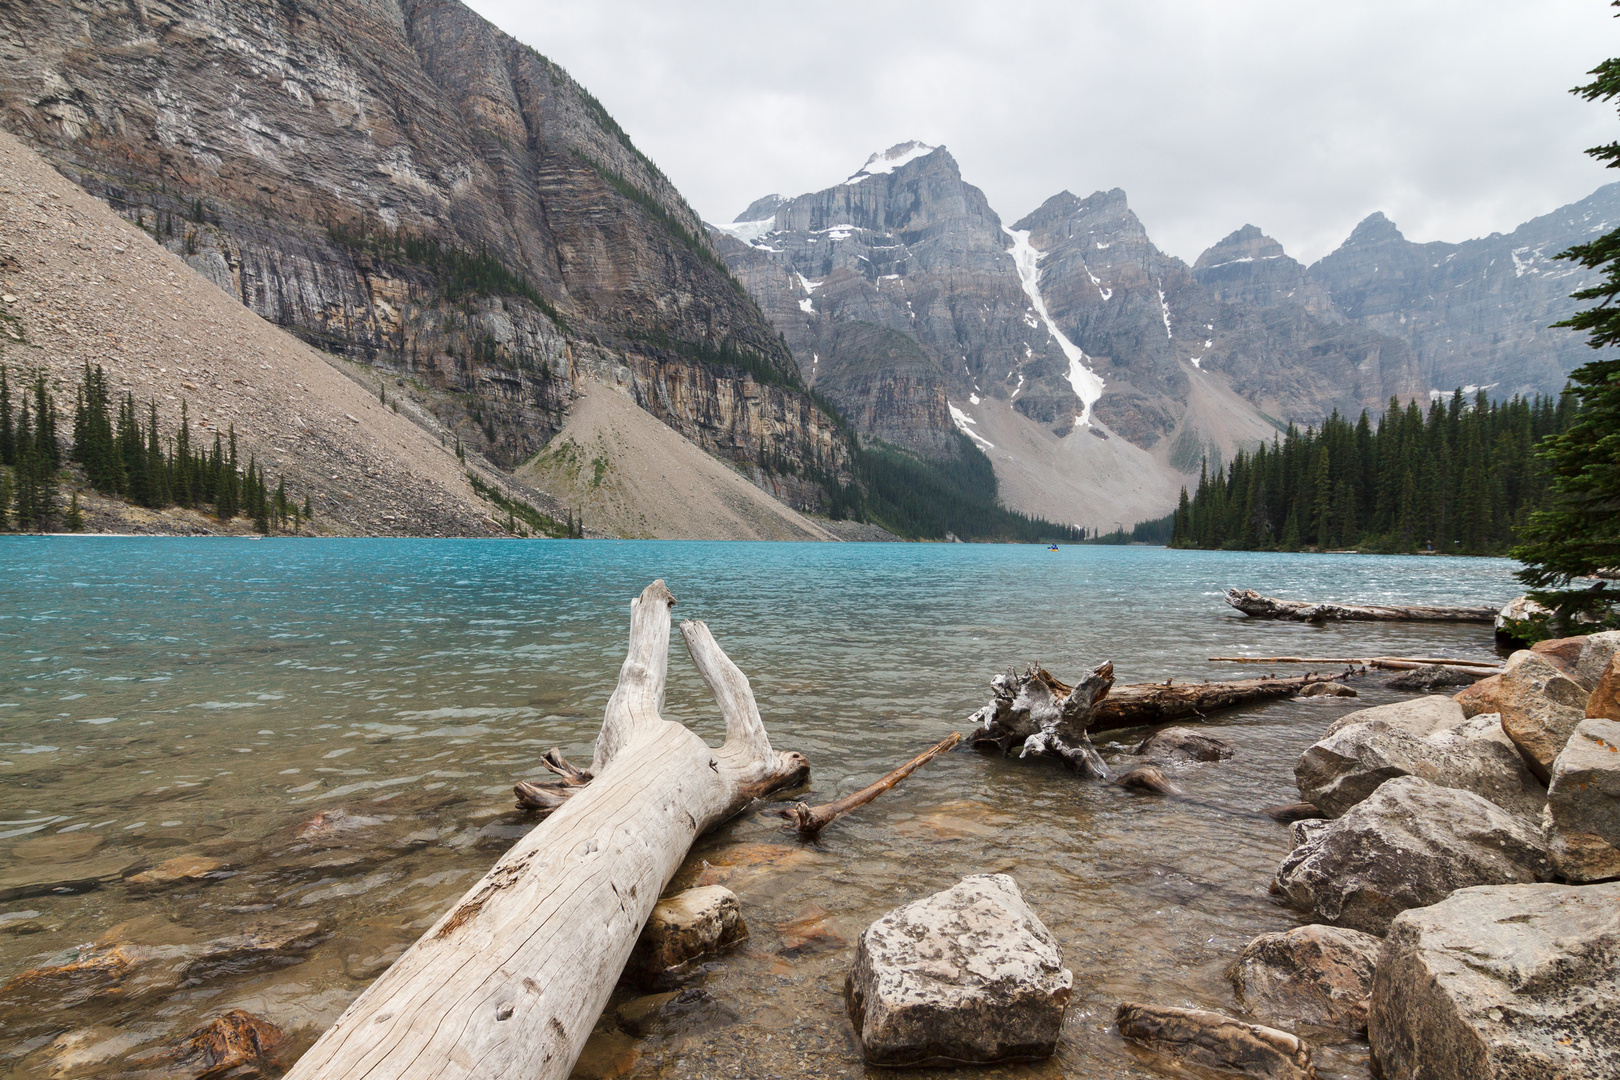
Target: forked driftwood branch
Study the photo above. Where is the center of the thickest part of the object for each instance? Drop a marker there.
(510, 981)
(1266, 607)
(810, 820)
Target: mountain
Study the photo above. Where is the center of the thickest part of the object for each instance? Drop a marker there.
(400, 184)
(1098, 372)
(1476, 313)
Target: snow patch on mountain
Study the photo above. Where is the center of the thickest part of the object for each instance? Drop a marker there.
(963, 424)
(887, 161)
(749, 232)
(1088, 385)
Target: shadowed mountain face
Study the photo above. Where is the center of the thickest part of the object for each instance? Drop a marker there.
(397, 181)
(1079, 323)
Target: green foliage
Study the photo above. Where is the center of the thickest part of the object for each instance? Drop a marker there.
(1156, 531)
(518, 510)
(1577, 533)
(920, 498)
(462, 273)
(727, 356)
(1461, 478)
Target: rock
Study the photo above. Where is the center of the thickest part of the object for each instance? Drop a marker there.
(739, 864)
(93, 973)
(1563, 653)
(1540, 707)
(1147, 778)
(1212, 1040)
(1482, 697)
(1350, 764)
(177, 871)
(1511, 982)
(1185, 744)
(1597, 654)
(1605, 700)
(237, 1044)
(1409, 844)
(685, 926)
(968, 975)
(1292, 812)
(1419, 716)
(1327, 689)
(27, 879)
(643, 1016)
(809, 932)
(57, 847)
(1514, 621)
(1583, 803)
(331, 824)
(1432, 677)
(1311, 974)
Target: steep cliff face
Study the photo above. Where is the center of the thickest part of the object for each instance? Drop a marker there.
(1476, 313)
(401, 183)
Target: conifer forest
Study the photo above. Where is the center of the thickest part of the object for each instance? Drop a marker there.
(1461, 478)
(121, 451)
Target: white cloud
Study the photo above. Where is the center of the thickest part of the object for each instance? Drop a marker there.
(1300, 116)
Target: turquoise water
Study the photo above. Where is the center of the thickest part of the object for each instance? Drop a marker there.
(165, 698)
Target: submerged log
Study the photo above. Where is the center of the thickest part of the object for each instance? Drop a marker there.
(1041, 715)
(510, 981)
(810, 820)
(1384, 663)
(1141, 705)
(1266, 607)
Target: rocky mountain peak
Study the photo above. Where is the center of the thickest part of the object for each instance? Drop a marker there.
(1375, 228)
(895, 157)
(762, 208)
(1246, 245)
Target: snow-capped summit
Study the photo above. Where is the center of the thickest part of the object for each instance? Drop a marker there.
(891, 159)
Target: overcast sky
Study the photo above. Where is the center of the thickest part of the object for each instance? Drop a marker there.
(1298, 116)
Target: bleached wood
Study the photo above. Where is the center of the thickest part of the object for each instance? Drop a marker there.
(1257, 606)
(511, 980)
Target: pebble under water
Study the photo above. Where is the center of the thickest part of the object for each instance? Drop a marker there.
(195, 704)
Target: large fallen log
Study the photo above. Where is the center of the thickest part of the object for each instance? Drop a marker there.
(1384, 663)
(1266, 607)
(510, 981)
(1140, 705)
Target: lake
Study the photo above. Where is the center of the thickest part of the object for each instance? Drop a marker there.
(204, 699)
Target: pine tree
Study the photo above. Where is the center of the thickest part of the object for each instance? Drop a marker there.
(8, 444)
(75, 516)
(1578, 533)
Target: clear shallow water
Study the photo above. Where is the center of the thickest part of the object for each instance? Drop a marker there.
(165, 698)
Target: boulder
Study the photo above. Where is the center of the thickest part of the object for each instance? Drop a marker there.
(644, 1016)
(1410, 844)
(1184, 744)
(1480, 698)
(1597, 654)
(1518, 619)
(1605, 700)
(1540, 707)
(237, 1044)
(685, 926)
(1350, 764)
(1416, 716)
(968, 975)
(1214, 1041)
(1327, 689)
(1311, 974)
(1510, 982)
(1433, 677)
(1564, 653)
(1583, 803)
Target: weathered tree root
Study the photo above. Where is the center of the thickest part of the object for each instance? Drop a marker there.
(1040, 715)
(810, 820)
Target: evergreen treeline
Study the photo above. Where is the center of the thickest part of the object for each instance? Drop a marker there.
(924, 499)
(1461, 477)
(125, 457)
(1156, 531)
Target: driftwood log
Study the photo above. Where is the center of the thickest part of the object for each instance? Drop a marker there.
(1384, 663)
(810, 820)
(1140, 705)
(1040, 715)
(510, 981)
(1266, 607)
